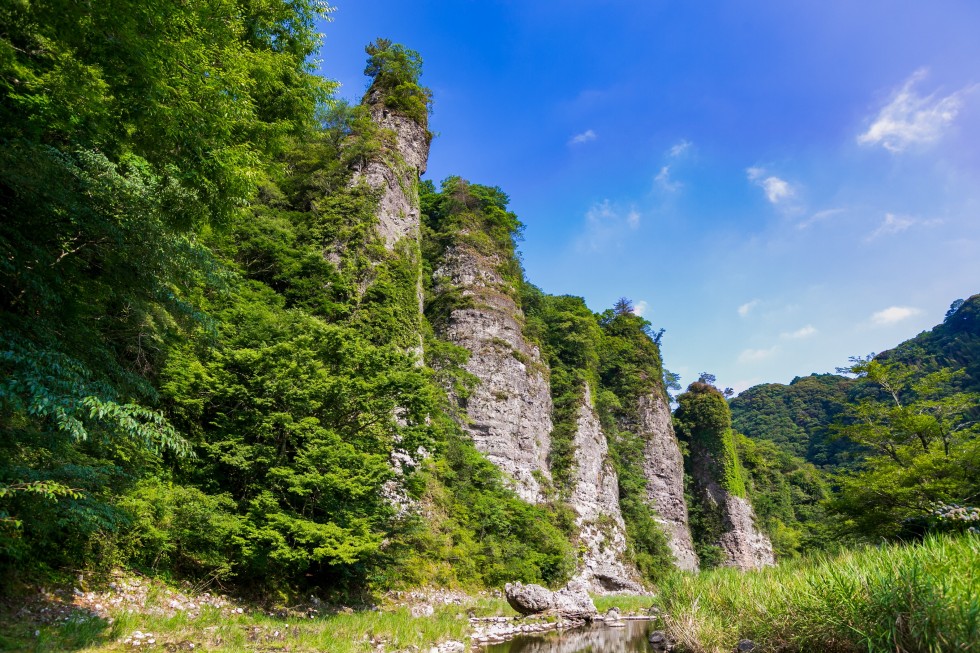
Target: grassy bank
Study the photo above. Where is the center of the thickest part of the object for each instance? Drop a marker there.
(112, 618)
(59, 626)
(923, 597)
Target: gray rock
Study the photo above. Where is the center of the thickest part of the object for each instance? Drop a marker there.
(529, 599)
(509, 412)
(570, 602)
(663, 467)
(573, 602)
(744, 545)
(396, 174)
(660, 642)
(595, 499)
(744, 646)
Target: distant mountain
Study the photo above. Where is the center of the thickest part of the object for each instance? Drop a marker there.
(955, 343)
(798, 417)
(795, 417)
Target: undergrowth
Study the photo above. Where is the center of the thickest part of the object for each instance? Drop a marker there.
(902, 598)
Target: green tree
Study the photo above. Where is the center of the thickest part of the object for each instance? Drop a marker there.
(395, 71)
(126, 129)
(921, 431)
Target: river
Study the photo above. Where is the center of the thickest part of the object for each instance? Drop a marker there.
(600, 638)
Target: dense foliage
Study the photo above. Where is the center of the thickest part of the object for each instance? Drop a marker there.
(125, 130)
(896, 438)
(395, 71)
(704, 424)
(921, 431)
(797, 417)
(211, 360)
(788, 496)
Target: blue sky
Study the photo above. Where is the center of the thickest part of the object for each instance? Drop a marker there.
(779, 185)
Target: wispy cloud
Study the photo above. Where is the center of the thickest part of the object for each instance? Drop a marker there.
(801, 333)
(640, 307)
(747, 307)
(664, 181)
(819, 216)
(895, 224)
(606, 221)
(757, 355)
(892, 224)
(679, 148)
(913, 119)
(893, 315)
(584, 137)
(777, 190)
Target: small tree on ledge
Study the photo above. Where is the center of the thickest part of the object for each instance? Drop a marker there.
(395, 71)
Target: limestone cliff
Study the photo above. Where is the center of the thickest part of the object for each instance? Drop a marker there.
(744, 546)
(509, 411)
(595, 499)
(663, 467)
(719, 483)
(395, 174)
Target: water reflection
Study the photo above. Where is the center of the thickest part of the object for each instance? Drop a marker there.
(598, 639)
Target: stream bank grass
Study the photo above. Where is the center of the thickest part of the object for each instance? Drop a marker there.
(214, 629)
(898, 598)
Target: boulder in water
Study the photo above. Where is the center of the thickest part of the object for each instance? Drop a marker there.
(570, 602)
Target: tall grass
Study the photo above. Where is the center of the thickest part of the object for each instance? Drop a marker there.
(365, 631)
(895, 598)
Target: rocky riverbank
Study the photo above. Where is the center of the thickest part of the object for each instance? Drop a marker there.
(131, 612)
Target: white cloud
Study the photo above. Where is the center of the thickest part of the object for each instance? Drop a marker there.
(640, 307)
(600, 213)
(776, 189)
(584, 137)
(911, 119)
(894, 224)
(819, 216)
(747, 307)
(679, 148)
(605, 222)
(893, 315)
(664, 181)
(801, 333)
(757, 355)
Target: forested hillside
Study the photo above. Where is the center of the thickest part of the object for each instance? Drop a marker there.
(241, 340)
(896, 439)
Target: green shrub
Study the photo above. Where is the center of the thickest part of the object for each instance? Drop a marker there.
(182, 530)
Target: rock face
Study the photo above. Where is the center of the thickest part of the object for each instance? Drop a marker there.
(570, 602)
(510, 409)
(595, 497)
(663, 466)
(744, 545)
(396, 174)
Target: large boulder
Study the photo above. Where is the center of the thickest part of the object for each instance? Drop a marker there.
(529, 599)
(573, 602)
(570, 602)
